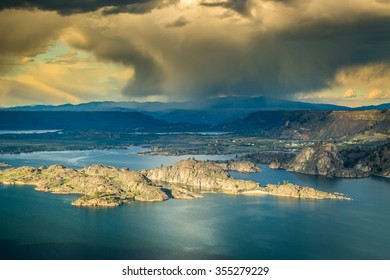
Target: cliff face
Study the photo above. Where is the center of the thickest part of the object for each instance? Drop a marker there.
(109, 186)
(373, 160)
(200, 175)
(243, 166)
(322, 159)
(313, 124)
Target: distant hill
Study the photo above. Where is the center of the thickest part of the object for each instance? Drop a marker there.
(236, 103)
(383, 106)
(207, 111)
(203, 117)
(105, 121)
(312, 124)
(219, 110)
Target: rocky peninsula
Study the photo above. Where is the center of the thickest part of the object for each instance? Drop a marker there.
(109, 186)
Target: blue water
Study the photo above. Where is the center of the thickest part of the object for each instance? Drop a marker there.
(36, 225)
(120, 158)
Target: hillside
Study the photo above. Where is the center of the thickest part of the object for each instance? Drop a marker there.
(104, 121)
(312, 124)
(322, 159)
(374, 160)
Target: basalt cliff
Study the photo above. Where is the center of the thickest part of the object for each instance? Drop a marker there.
(322, 159)
(109, 186)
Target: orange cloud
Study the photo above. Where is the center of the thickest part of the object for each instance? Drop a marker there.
(349, 93)
(378, 93)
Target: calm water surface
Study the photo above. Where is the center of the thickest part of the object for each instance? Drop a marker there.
(36, 225)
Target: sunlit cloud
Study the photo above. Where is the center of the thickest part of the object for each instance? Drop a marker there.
(349, 93)
(65, 79)
(378, 93)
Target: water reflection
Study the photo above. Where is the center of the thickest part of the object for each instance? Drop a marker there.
(128, 158)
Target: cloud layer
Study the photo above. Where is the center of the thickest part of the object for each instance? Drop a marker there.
(67, 7)
(182, 50)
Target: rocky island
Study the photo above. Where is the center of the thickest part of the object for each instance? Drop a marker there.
(3, 164)
(109, 186)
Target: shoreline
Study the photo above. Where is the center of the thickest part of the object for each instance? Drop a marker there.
(102, 185)
(150, 153)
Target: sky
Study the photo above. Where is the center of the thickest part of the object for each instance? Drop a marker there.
(320, 51)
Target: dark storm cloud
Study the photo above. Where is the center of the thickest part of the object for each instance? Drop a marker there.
(302, 58)
(306, 59)
(30, 35)
(66, 7)
(240, 6)
(179, 22)
(147, 77)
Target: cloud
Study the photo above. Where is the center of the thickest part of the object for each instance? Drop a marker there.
(179, 22)
(279, 48)
(25, 34)
(70, 57)
(235, 56)
(67, 7)
(370, 75)
(349, 93)
(53, 83)
(138, 8)
(108, 46)
(379, 93)
(240, 6)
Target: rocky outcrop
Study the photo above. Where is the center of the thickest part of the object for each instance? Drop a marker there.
(183, 193)
(109, 186)
(101, 185)
(3, 164)
(275, 165)
(243, 166)
(322, 159)
(294, 191)
(203, 176)
(290, 190)
(313, 124)
(375, 160)
(101, 200)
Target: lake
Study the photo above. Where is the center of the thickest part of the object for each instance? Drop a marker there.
(36, 225)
